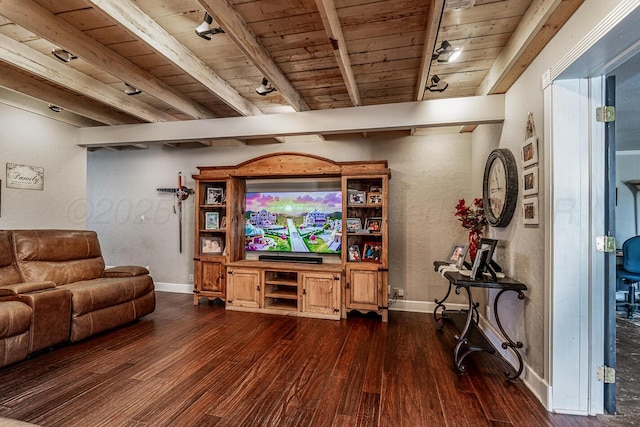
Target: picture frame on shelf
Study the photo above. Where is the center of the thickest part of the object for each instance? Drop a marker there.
(372, 251)
(373, 224)
(356, 197)
(530, 181)
(374, 198)
(353, 255)
(530, 211)
(354, 225)
(223, 222)
(211, 245)
(529, 152)
(215, 196)
(375, 188)
(211, 220)
(457, 250)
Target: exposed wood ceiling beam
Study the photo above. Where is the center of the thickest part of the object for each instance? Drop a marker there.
(22, 83)
(40, 21)
(236, 28)
(150, 32)
(36, 106)
(32, 61)
(529, 38)
(408, 115)
(329, 15)
(430, 37)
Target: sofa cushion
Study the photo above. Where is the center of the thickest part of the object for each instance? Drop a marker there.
(61, 256)
(9, 273)
(92, 295)
(15, 318)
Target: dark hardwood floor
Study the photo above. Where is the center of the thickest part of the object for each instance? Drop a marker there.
(188, 365)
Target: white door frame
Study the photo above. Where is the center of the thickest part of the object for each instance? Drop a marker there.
(574, 210)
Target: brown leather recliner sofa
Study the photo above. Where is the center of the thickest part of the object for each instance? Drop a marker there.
(57, 279)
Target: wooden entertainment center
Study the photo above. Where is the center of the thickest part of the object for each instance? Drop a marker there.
(291, 285)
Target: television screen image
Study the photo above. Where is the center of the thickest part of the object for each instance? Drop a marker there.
(288, 221)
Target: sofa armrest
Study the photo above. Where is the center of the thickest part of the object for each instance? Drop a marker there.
(26, 287)
(125, 271)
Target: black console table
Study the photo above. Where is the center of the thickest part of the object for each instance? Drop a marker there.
(470, 338)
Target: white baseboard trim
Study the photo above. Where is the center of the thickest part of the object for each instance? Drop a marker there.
(419, 306)
(176, 288)
(538, 386)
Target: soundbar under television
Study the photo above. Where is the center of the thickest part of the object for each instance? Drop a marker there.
(294, 221)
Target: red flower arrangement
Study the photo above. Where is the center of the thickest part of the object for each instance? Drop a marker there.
(472, 217)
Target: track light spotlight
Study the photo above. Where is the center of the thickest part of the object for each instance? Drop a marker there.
(437, 85)
(55, 108)
(265, 88)
(63, 55)
(446, 53)
(204, 30)
(130, 90)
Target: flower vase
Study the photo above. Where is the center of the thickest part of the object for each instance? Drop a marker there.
(474, 239)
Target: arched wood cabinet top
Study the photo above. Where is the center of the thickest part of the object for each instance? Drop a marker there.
(292, 165)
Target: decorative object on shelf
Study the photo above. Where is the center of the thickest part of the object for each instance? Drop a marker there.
(211, 245)
(530, 181)
(354, 254)
(182, 193)
(215, 196)
(458, 250)
(500, 187)
(374, 198)
(211, 221)
(473, 219)
(356, 197)
(373, 224)
(354, 225)
(371, 251)
(223, 222)
(530, 211)
(375, 189)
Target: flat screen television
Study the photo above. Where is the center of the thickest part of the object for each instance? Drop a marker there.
(294, 221)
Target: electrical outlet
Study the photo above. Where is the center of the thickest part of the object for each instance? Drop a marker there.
(190, 278)
(395, 292)
(400, 293)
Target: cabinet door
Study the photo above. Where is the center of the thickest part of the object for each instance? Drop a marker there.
(362, 289)
(321, 293)
(212, 278)
(243, 288)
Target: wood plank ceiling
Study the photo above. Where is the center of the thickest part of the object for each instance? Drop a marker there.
(318, 54)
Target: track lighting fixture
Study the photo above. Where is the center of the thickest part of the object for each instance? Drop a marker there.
(446, 53)
(265, 88)
(130, 90)
(55, 108)
(63, 55)
(437, 85)
(204, 30)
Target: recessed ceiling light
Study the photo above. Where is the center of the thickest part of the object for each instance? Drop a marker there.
(55, 108)
(63, 55)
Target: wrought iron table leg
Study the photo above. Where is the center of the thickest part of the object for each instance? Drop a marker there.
(509, 343)
(462, 338)
(440, 306)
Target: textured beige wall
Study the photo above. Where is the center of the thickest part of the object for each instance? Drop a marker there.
(30, 139)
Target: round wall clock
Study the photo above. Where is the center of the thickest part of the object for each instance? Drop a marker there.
(500, 187)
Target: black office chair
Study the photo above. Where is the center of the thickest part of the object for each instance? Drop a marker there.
(629, 272)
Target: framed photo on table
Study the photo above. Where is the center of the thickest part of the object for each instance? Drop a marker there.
(457, 250)
(211, 220)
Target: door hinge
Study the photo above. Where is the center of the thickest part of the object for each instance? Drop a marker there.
(606, 114)
(605, 243)
(606, 375)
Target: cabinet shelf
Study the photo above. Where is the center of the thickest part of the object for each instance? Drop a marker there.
(213, 230)
(288, 282)
(281, 304)
(282, 293)
(213, 206)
